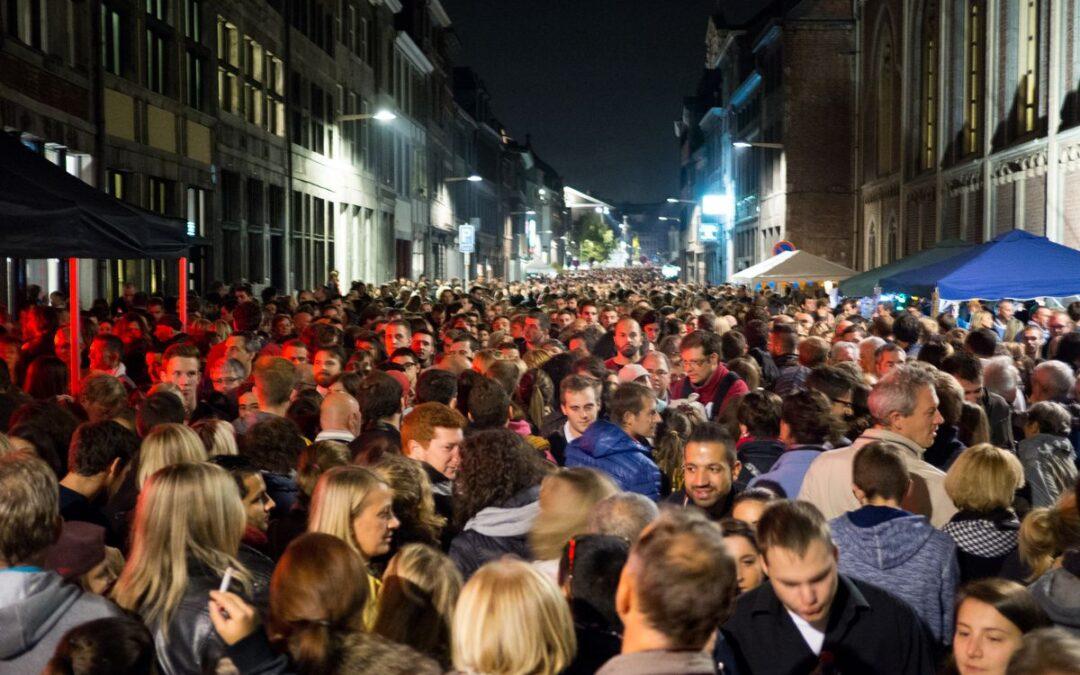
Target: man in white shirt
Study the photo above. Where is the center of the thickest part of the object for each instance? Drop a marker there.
(339, 418)
(580, 401)
(904, 405)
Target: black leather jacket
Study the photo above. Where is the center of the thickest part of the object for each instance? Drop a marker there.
(189, 644)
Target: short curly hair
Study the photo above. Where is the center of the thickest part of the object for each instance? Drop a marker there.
(273, 444)
(496, 464)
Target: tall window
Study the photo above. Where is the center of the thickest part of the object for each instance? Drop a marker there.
(111, 39)
(156, 54)
(1028, 61)
(274, 115)
(193, 20)
(228, 49)
(25, 21)
(974, 72)
(886, 101)
(159, 189)
(197, 56)
(253, 78)
(929, 103)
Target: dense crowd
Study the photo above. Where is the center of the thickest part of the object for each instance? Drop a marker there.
(603, 472)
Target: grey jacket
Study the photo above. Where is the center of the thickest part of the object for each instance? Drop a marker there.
(1058, 593)
(1049, 467)
(660, 662)
(36, 609)
(904, 554)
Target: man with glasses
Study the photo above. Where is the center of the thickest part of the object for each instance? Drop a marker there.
(410, 365)
(706, 376)
(656, 363)
(709, 470)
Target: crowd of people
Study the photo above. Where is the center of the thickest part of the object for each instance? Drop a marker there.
(605, 472)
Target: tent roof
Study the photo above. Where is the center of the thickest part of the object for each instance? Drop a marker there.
(45, 212)
(863, 284)
(1015, 265)
(792, 267)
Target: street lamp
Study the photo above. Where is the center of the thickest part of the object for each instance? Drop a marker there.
(673, 200)
(757, 144)
(382, 115)
(472, 178)
(665, 218)
(530, 212)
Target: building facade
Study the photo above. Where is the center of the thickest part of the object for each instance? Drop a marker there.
(253, 121)
(768, 135)
(968, 123)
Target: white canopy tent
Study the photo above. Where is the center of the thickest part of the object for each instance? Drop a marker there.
(792, 267)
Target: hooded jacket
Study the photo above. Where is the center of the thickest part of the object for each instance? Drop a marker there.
(496, 531)
(607, 447)
(985, 542)
(37, 608)
(789, 469)
(1049, 467)
(1058, 593)
(902, 552)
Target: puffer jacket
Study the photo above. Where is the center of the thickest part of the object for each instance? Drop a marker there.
(904, 553)
(189, 643)
(1049, 467)
(496, 531)
(607, 447)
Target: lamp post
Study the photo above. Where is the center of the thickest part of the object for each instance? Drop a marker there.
(757, 144)
(472, 178)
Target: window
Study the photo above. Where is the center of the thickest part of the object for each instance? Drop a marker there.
(274, 113)
(116, 183)
(159, 190)
(196, 211)
(158, 9)
(193, 20)
(25, 21)
(928, 107)
(1028, 61)
(194, 66)
(886, 102)
(156, 54)
(228, 67)
(974, 66)
(111, 40)
(348, 20)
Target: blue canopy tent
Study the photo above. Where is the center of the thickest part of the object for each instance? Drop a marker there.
(862, 285)
(1015, 265)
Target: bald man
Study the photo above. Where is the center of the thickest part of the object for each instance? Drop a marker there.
(630, 344)
(339, 418)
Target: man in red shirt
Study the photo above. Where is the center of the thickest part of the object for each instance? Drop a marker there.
(706, 376)
(629, 344)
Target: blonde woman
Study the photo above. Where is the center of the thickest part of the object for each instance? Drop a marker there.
(218, 437)
(168, 444)
(982, 483)
(356, 506)
(512, 620)
(416, 606)
(187, 531)
(566, 498)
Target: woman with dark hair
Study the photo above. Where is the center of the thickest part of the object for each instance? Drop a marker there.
(947, 444)
(992, 616)
(46, 377)
(318, 595)
(496, 498)
(589, 571)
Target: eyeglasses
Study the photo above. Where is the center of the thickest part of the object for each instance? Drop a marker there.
(697, 363)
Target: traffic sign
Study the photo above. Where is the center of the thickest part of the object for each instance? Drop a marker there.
(466, 238)
(781, 246)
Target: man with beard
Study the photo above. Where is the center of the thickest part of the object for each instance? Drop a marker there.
(710, 468)
(629, 344)
(423, 345)
(706, 376)
(327, 365)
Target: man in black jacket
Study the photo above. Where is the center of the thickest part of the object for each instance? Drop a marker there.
(811, 618)
(968, 371)
(432, 434)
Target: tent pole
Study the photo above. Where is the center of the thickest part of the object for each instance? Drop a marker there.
(181, 305)
(75, 352)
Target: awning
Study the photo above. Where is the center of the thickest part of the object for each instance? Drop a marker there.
(792, 267)
(45, 212)
(863, 285)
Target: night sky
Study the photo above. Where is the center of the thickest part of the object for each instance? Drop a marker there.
(597, 83)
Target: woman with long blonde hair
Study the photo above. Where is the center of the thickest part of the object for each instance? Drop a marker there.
(512, 620)
(188, 525)
(168, 444)
(356, 506)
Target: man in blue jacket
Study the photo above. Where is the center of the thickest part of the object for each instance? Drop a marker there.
(613, 447)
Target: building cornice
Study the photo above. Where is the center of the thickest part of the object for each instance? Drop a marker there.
(392, 5)
(413, 53)
(739, 96)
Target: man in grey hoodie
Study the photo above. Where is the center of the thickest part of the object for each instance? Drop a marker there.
(36, 606)
(893, 549)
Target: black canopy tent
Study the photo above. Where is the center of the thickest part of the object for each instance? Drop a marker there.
(45, 212)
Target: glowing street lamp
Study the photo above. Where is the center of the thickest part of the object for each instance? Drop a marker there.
(472, 178)
(382, 115)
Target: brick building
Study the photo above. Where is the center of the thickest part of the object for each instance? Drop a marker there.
(769, 132)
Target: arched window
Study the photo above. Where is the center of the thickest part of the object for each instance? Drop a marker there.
(892, 240)
(974, 74)
(872, 247)
(928, 105)
(886, 99)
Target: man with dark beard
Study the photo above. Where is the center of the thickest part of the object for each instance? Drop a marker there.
(326, 366)
(629, 344)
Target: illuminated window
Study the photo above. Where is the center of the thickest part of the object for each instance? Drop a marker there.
(929, 104)
(974, 67)
(1028, 60)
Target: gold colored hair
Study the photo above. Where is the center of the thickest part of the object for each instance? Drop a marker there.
(168, 444)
